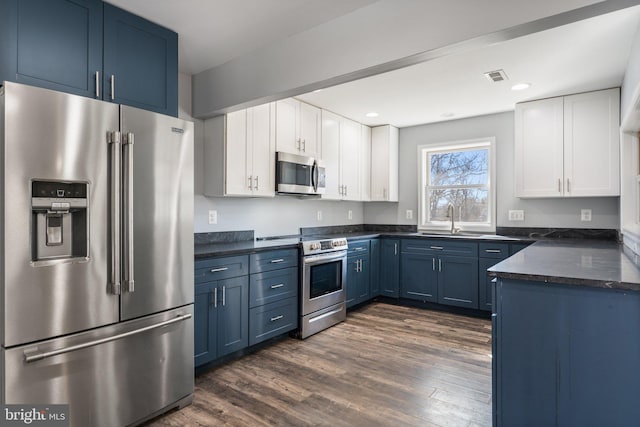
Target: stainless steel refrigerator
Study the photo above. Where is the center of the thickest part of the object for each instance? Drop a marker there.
(96, 267)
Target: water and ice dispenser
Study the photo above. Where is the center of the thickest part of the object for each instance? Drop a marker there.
(59, 220)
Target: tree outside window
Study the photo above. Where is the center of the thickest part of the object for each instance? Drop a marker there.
(459, 174)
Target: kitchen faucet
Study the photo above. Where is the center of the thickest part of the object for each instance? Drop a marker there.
(450, 214)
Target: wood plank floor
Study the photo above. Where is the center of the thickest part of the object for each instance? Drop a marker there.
(385, 366)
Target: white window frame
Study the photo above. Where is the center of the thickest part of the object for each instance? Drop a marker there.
(424, 222)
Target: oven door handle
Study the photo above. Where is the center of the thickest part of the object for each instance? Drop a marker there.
(324, 258)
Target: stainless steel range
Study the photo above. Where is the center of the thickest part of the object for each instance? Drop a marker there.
(324, 279)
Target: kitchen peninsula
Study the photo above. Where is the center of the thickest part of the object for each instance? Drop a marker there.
(566, 322)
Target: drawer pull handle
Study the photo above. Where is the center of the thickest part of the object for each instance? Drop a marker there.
(492, 251)
(360, 249)
(279, 285)
(273, 319)
(438, 248)
(275, 261)
(217, 270)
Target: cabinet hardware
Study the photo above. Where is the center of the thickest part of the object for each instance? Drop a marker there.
(97, 84)
(559, 185)
(217, 270)
(568, 185)
(215, 298)
(360, 249)
(492, 251)
(276, 261)
(298, 143)
(279, 285)
(346, 191)
(437, 248)
(395, 249)
(250, 181)
(439, 264)
(113, 87)
(273, 319)
(257, 182)
(304, 145)
(384, 193)
(224, 296)
(433, 264)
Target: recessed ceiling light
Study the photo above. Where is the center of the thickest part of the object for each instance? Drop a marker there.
(520, 86)
(447, 115)
(317, 90)
(372, 114)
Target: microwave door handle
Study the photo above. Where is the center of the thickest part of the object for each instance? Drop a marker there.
(314, 177)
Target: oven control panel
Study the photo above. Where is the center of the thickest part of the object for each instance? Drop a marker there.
(322, 246)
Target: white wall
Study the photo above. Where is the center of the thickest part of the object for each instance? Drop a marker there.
(268, 217)
(379, 37)
(557, 213)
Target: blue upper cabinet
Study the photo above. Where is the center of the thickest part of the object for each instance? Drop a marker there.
(55, 44)
(61, 45)
(140, 62)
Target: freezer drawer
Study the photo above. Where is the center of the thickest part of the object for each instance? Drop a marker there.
(141, 369)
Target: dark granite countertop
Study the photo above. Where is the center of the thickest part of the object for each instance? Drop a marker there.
(599, 264)
(243, 247)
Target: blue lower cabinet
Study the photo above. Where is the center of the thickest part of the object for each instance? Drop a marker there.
(273, 286)
(221, 318)
(390, 268)
(484, 283)
(374, 284)
(565, 355)
(270, 320)
(419, 278)
(458, 281)
(352, 281)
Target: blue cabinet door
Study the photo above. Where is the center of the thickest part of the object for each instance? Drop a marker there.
(233, 314)
(140, 62)
(389, 267)
(484, 283)
(364, 280)
(55, 44)
(374, 276)
(205, 325)
(353, 275)
(418, 277)
(458, 281)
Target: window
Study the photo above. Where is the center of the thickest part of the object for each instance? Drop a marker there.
(459, 174)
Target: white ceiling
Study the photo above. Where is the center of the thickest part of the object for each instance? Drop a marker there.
(586, 55)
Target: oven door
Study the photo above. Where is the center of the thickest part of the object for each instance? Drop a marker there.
(324, 279)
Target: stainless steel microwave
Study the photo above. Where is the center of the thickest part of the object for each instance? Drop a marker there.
(299, 174)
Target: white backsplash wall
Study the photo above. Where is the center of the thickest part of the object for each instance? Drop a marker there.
(281, 215)
(554, 213)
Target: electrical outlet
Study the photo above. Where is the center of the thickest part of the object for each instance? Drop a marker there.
(350, 214)
(409, 214)
(516, 215)
(213, 217)
(585, 215)
(319, 216)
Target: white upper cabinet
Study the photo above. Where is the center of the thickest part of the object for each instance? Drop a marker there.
(384, 164)
(298, 128)
(240, 153)
(365, 163)
(568, 146)
(341, 145)
(331, 155)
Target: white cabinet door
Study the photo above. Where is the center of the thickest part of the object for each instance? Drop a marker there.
(331, 155)
(237, 175)
(261, 130)
(350, 136)
(384, 164)
(539, 148)
(365, 163)
(591, 144)
(287, 139)
(310, 128)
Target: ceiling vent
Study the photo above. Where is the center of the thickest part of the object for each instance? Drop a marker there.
(496, 76)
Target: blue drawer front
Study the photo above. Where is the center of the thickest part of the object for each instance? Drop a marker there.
(273, 286)
(439, 246)
(493, 250)
(210, 269)
(273, 319)
(358, 247)
(273, 260)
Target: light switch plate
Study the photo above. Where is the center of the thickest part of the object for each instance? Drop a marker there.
(585, 215)
(409, 214)
(516, 215)
(213, 217)
(350, 214)
(319, 215)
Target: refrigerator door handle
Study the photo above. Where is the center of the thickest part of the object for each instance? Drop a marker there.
(127, 199)
(115, 140)
(35, 356)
